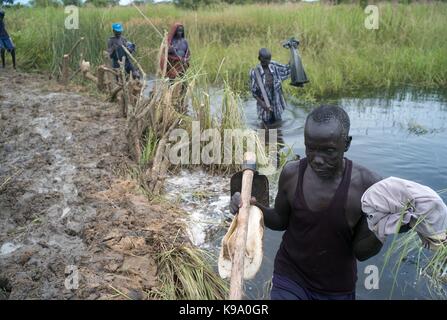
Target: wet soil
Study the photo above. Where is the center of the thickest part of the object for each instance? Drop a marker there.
(72, 224)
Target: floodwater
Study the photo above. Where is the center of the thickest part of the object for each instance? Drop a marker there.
(402, 135)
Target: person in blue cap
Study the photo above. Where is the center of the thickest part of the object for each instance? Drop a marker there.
(116, 52)
(6, 43)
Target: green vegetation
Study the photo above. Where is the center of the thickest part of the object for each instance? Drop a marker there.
(431, 264)
(340, 55)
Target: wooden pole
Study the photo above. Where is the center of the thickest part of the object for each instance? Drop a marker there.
(125, 92)
(237, 269)
(75, 46)
(101, 79)
(65, 69)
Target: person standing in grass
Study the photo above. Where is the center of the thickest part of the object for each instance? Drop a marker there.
(176, 63)
(6, 43)
(178, 52)
(116, 52)
(268, 75)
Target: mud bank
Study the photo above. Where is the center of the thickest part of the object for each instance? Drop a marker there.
(71, 225)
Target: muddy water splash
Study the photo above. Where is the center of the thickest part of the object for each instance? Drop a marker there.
(205, 198)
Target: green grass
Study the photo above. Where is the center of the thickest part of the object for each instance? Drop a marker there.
(431, 265)
(339, 54)
(149, 148)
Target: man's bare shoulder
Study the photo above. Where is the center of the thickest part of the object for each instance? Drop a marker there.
(364, 176)
(291, 167)
(289, 174)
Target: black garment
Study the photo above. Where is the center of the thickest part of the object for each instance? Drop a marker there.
(316, 250)
(118, 55)
(284, 288)
(3, 32)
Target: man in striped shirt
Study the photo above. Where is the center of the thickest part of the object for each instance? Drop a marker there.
(270, 75)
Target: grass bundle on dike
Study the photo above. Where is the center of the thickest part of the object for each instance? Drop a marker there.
(225, 121)
(185, 273)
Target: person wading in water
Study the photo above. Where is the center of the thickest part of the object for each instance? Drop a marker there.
(266, 80)
(318, 205)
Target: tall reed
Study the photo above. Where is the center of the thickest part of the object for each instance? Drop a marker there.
(339, 54)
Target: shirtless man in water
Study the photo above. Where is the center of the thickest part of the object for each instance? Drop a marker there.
(318, 205)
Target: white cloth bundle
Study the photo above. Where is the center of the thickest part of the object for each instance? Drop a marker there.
(393, 201)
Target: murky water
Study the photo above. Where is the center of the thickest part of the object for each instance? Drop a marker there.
(404, 135)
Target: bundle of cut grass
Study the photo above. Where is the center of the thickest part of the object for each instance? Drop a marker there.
(185, 274)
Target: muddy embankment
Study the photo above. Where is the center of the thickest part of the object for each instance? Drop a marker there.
(71, 225)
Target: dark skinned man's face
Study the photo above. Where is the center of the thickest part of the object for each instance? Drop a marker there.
(265, 61)
(325, 147)
(179, 32)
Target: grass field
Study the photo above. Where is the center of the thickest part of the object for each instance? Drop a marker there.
(340, 55)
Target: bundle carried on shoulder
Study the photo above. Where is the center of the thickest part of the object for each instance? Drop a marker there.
(393, 202)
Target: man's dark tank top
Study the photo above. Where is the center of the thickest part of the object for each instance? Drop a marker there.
(316, 249)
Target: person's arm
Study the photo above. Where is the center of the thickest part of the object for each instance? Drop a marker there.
(172, 53)
(365, 243)
(110, 48)
(283, 70)
(254, 88)
(277, 218)
(262, 103)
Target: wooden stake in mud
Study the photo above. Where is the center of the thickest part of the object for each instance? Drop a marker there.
(237, 269)
(65, 69)
(101, 79)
